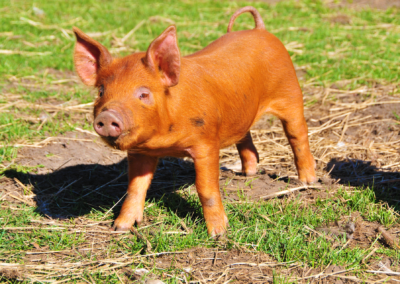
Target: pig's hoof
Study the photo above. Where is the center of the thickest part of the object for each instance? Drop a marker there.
(307, 174)
(122, 225)
(120, 228)
(126, 220)
(220, 237)
(218, 234)
(249, 169)
(309, 179)
(250, 173)
(218, 229)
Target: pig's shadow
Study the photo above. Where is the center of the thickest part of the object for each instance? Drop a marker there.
(359, 173)
(78, 190)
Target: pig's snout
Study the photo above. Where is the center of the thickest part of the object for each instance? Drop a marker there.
(108, 124)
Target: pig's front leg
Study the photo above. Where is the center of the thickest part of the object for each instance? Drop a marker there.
(141, 170)
(206, 162)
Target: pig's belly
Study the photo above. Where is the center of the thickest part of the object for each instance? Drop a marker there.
(234, 132)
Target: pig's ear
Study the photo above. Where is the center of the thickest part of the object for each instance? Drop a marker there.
(163, 55)
(89, 57)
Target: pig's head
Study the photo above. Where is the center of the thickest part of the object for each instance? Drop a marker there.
(132, 90)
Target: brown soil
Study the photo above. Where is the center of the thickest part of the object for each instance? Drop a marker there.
(375, 4)
(85, 160)
(340, 19)
(239, 266)
(12, 274)
(72, 149)
(270, 1)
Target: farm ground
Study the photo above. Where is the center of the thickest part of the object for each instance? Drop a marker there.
(61, 189)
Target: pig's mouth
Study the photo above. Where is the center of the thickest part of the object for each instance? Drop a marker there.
(115, 141)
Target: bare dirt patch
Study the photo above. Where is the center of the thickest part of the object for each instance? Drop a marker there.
(241, 266)
(375, 4)
(68, 159)
(358, 232)
(340, 19)
(354, 4)
(238, 266)
(12, 273)
(200, 264)
(270, 1)
(359, 128)
(71, 149)
(77, 163)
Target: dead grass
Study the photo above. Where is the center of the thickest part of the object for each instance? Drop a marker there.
(342, 132)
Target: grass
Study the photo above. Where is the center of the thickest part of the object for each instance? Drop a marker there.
(283, 236)
(364, 52)
(329, 47)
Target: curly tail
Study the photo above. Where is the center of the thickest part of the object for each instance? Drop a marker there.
(257, 18)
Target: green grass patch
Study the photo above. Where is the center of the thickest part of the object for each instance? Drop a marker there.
(366, 48)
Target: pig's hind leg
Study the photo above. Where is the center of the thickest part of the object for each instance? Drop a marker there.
(295, 126)
(141, 170)
(248, 155)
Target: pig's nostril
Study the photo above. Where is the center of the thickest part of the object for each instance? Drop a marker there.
(108, 124)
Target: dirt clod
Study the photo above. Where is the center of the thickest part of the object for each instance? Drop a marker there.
(340, 231)
(388, 238)
(12, 273)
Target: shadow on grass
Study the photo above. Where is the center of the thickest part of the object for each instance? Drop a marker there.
(386, 184)
(77, 190)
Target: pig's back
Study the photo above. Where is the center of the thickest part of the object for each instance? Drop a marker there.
(239, 74)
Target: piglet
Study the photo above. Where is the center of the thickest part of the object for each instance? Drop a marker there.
(157, 103)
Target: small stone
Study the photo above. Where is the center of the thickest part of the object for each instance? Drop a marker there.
(141, 271)
(38, 12)
(350, 229)
(152, 281)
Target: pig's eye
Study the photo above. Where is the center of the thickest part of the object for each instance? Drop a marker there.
(143, 96)
(101, 91)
